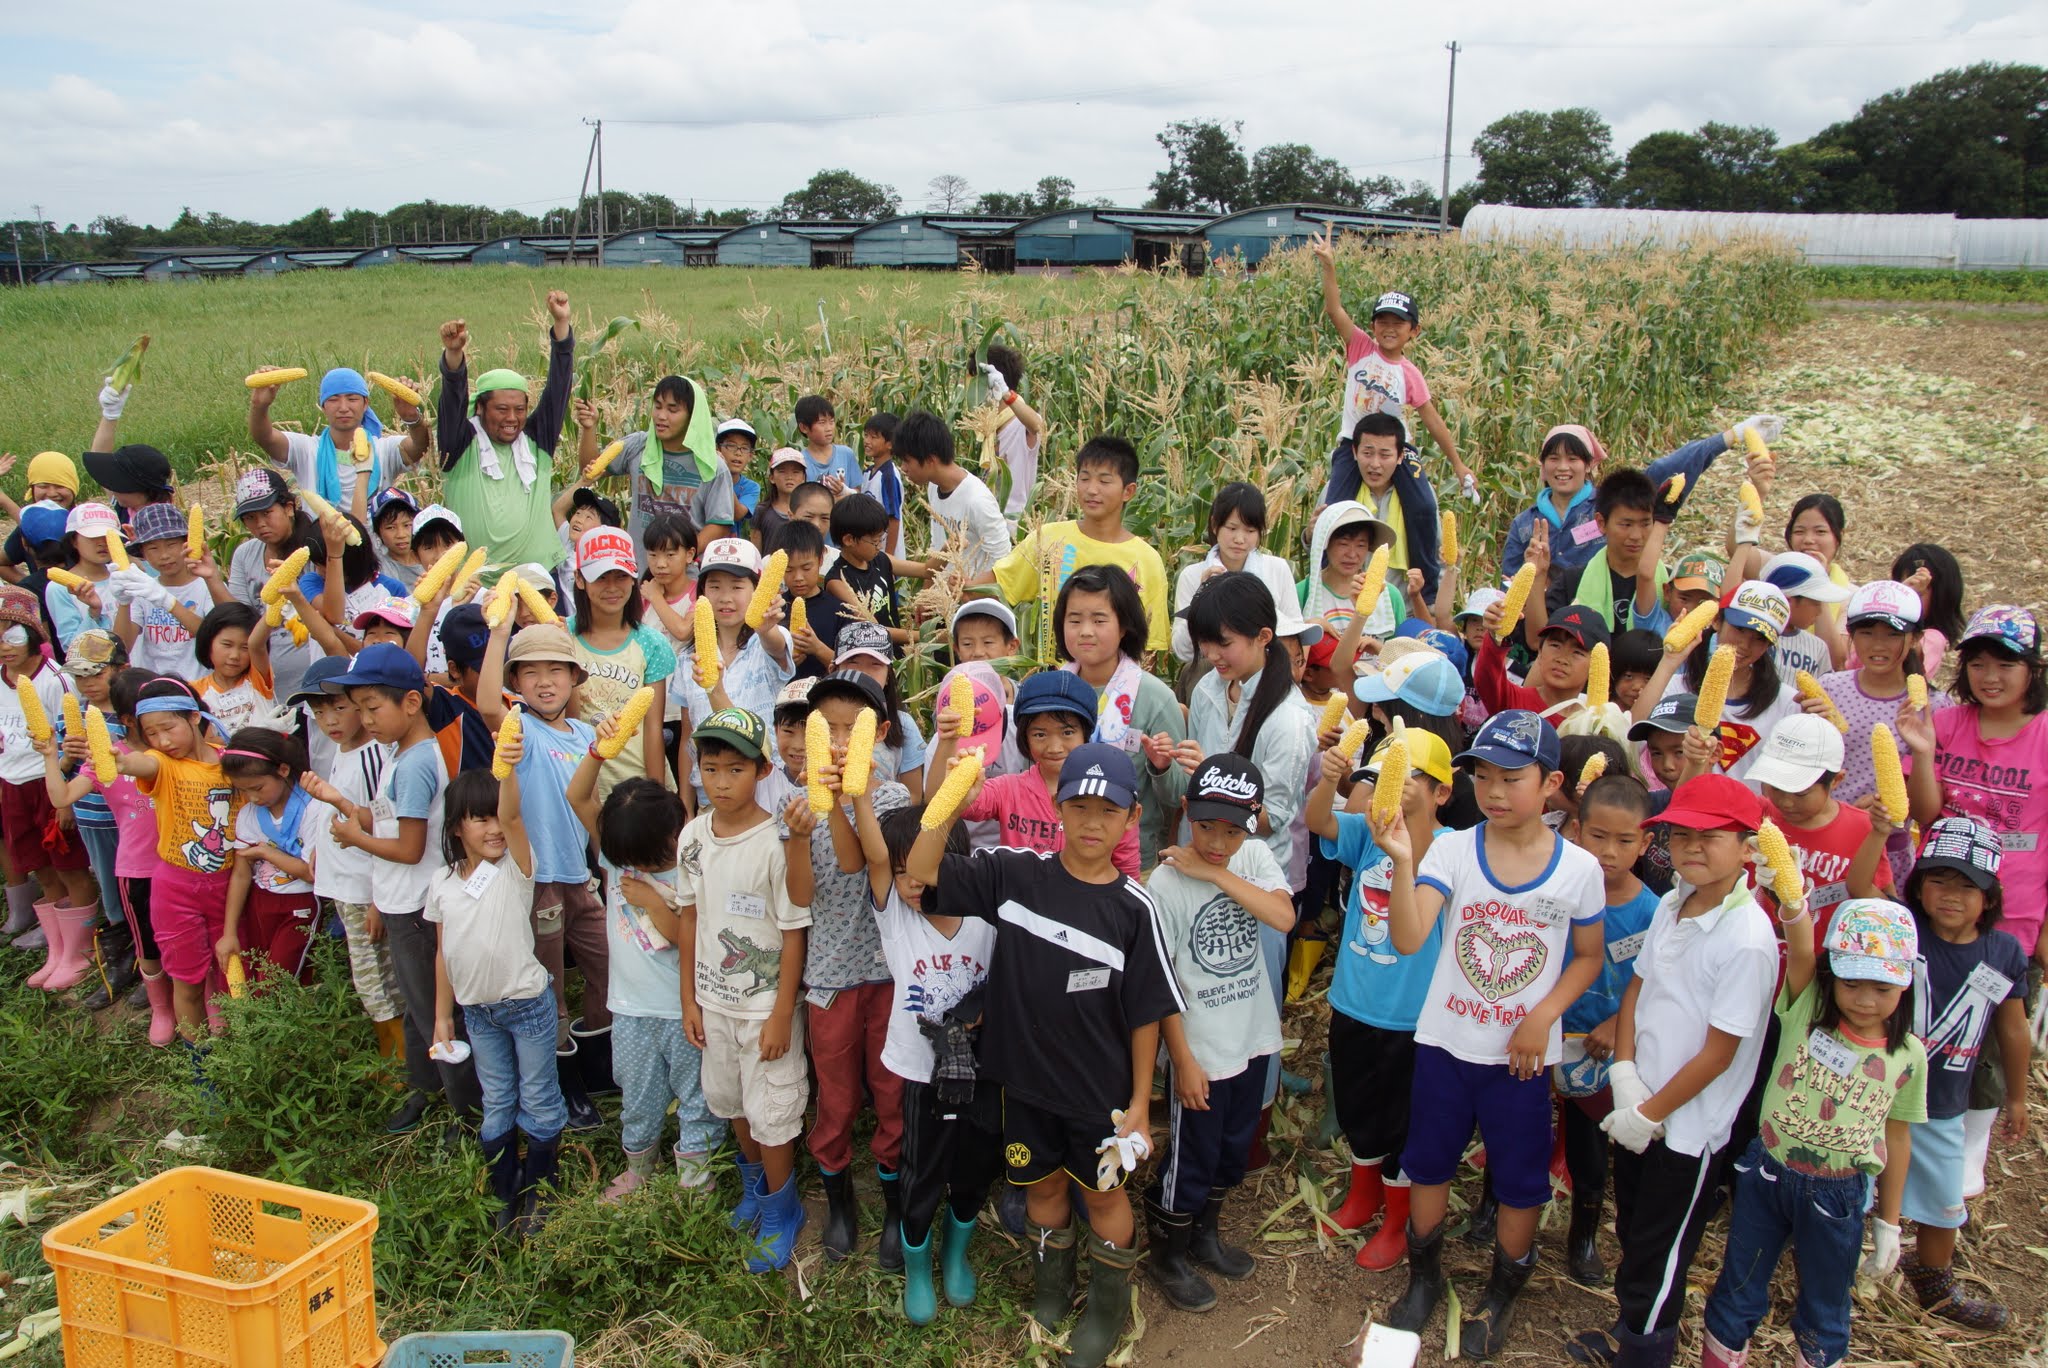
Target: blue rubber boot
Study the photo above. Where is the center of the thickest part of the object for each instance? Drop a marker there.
(920, 1303)
(782, 1216)
(747, 1215)
(957, 1272)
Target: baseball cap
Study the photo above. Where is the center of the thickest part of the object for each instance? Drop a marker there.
(1966, 846)
(785, 456)
(1762, 608)
(1700, 572)
(732, 555)
(1097, 771)
(464, 636)
(398, 612)
(131, 469)
(1712, 802)
(258, 489)
(1424, 680)
(1427, 753)
(535, 575)
(92, 519)
(1053, 691)
(1397, 303)
(607, 511)
(1449, 645)
(19, 605)
(738, 728)
(1321, 652)
(1513, 739)
(385, 664)
(1871, 940)
(90, 652)
(1477, 602)
(602, 550)
(1886, 602)
(852, 682)
(985, 607)
(2006, 625)
(1292, 624)
(1226, 788)
(1799, 750)
(390, 499)
(159, 522)
(795, 694)
(1799, 575)
(1581, 624)
(1672, 713)
(989, 714)
(732, 425)
(321, 680)
(863, 639)
(434, 513)
(44, 521)
(542, 641)
(1351, 513)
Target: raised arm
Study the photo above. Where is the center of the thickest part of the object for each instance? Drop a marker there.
(544, 424)
(514, 826)
(452, 431)
(1325, 251)
(583, 783)
(261, 430)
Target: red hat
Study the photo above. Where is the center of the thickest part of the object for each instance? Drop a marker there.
(1324, 651)
(1712, 802)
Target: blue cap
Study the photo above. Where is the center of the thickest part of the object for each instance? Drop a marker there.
(1056, 691)
(390, 499)
(322, 680)
(1097, 771)
(158, 522)
(394, 667)
(1448, 644)
(342, 380)
(1514, 739)
(1423, 680)
(1412, 628)
(44, 521)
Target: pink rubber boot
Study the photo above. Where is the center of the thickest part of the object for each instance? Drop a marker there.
(1714, 1354)
(163, 1016)
(73, 961)
(53, 946)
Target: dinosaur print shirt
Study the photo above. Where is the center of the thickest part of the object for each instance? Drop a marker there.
(1503, 947)
(740, 888)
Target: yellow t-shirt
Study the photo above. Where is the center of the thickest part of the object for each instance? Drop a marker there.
(195, 813)
(1028, 573)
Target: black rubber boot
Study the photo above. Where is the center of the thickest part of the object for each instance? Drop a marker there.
(1480, 1226)
(1052, 1273)
(409, 1113)
(583, 1113)
(1108, 1311)
(1166, 1259)
(537, 1181)
(889, 1245)
(594, 1058)
(1486, 1334)
(842, 1226)
(1582, 1246)
(114, 966)
(1206, 1247)
(1425, 1281)
(501, 1158)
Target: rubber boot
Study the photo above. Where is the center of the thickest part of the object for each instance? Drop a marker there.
(583, 1113)
(1936, 1289)
(391, 1046)
(1108, 1311)
(113, 955)
(1327, 1130)
(1582, 1245)
(538, 1173)
(1301, 966)
(163, 1016)
(639, 1168)
(747, 1215)
(501, 1159)
(409, 1113)
(1166, 1261)
(782, 1216)
(842, 1226)
(1390, 1241)
(594, 1058)
(1425, 1281)
(21, 910)
(53, 941)
(954, 1268)
(1052, 1273)
(1207, 1248)
(1486, 1334)
(1479, 1228)
(1364, 1199)
(1714, 1354)
(693, 1170)
(1654, 1350)
(889, 1245)
(920, 1298)
(72, 962)
(1258, 1159)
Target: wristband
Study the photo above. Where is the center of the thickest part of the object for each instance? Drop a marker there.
(1010, 397)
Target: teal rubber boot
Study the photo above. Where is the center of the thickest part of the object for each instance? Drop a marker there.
(920, 1301)
(958, 1274)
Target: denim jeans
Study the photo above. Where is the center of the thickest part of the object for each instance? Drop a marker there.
(1823, 1220)
(514, 1041)
(100, 844)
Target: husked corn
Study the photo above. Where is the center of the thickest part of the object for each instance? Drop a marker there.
(1687, 629)
(860, 755)
(1891, 775)
(1713, 697)
(1599, 676)
(508, 732)
(626, 725)
(817, 755)
(1517, 598)
(1809, 687)
(960, 780)
(767, 590)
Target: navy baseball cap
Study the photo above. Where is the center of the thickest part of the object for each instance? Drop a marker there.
(1227, 788)
(1097, 771)
(1673, 713)
(1056, 691)
(388, 500)
(464, 636)
(385, 664)
(1514, 739)
(1581, 624)
(322, 680)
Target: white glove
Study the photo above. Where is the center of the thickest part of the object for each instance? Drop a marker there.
(1634, 1131)
(112, 401)
(1119, 1152)
(138, 586)
(1626, 1084)
(1471, 488)
(998, 384)
(1749, 528)
(1884, 1249)
(1768, 426)
(2038, 1027)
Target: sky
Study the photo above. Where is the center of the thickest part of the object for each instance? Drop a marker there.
(118, 108)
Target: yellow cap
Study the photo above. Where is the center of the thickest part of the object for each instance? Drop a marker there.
(53, 467)
(1426, 752)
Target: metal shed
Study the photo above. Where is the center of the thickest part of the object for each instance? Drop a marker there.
(198, 267)
(689, 246)
(509, 251)
(1927, 240)
(1104, 237)
(78, 272)
(1254, 233)
(309, 259)
(778, 243)
(434, 253)
(2002, 244)
(938, 241)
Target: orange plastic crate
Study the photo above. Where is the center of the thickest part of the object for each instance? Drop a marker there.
(200, 1267)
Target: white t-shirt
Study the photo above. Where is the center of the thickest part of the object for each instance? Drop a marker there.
(972, 512)
(1742, 738)
(162, 643)
(1232, 1017)
(302, 458)
(20, 762)
(1273, 572)
(487, 932)
(343, 873)
(1718, 969)
(1503, 947)
(1803, 651)
(933, 972)
(740, 888)
(248, 572)
(1018, 446)
(314, 819)
(646, 971)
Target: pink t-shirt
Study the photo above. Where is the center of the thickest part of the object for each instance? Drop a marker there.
(1026, 819)
(135, 857)
(2003, 784)
(1377, 383)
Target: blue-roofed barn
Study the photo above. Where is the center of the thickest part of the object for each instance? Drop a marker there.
(79, 272)
(198, 266)
(1106, 237)
(938, 241)
(430, 253)
(789, 244)
(686, 246)
(302, 259)
(1254, 233)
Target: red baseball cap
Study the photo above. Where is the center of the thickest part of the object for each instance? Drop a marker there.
(1712, 802)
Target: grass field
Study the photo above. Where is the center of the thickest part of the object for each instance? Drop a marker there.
(1885, 282)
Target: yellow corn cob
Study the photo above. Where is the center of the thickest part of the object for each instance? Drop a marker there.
(1809, 687)
(285, 576)
(74, 721)
(471, 568)
(1447, 537)
(238, 978)
(105, 766)
(1353, 740)
(1676, 489)
(323, 510)
(535, 604)
(1916, 692)
(117, 551)
(961, 701)
(1714, 690)
(768, 590)
(1753, 440)
(626, 726)
(298, 631)
(1595, 766)
(195, 532)
(501, 600)
(1599, 677)
(964, 775)
(69, 580)
(860, 755)
(439, 573)
(1375, 583)
(1891, 777)
(276, 375)
(1517, 598)
(508, 732)
(273, 613)
(799, 617)
(708, 664)
(1392, 781)
(1687, 629)
(1786, 882)
(1333, 712)
(397, 389)
(32, 713)
(604, 458)
(817, 755)
(1751, 500)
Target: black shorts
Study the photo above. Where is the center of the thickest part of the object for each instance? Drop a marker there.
(1038, 1143)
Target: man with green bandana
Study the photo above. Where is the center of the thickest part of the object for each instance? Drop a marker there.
(674, 463)
(504, 492)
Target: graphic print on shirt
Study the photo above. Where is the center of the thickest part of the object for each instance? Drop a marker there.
(1500, 952)
(938, 983)
(207, 852)
(1825, 1112)
(1374, 933)
(1737, 740)
(1956, 1037)
(744, 956)
(1995, 795)
(1382, 388)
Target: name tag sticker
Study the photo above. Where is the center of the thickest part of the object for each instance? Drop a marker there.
(1830, 1053)
(1987, 983)
(1084, 980)
(1627, 948)
(1550, 911)
(2020, 842)
(821, 998)
(750, 905)
(480, 879)
(1585, 532)
(382, 810)
(1827, 895)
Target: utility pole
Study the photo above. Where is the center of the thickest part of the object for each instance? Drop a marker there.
(601, 224)
(1443, 213)
(42, 233)
(582, 192)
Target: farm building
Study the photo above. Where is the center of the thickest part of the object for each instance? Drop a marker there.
(788, 244)
(1104, 237)
(1276, 227)
(1940, 241)
(77, 272)
(534, 250)
(940, 241)
(198, 266)
(664, 247)
(432, 253)
(310, 259)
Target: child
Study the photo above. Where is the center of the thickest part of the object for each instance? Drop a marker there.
(1758, 697)
(91, 667)
(1883, 622)
(785, 473)
(36, 842)
(1105, 481)
(864, 650)
(670, 595)
(1346, 534)
(817, 645)
(391, 514)
(483, 960)
(277, 525)
(812, 502)
(862, 577)
(1487, 1033)
(1077, 988)
(1685, 1049)
(983, 629)
(1623, 581)
(1695, 579)
(745, 907)
(883, 482)
(1212, 896)
(736, 440)
(1556, 678)
(826, 461)
(618, 654)
(234, 647)
(1633, 657)
(158, 617)
(674, 463)
(1848, 1085)
(1021, 438)
(270, 896)
(1931, 572)
(1237, 523)
(964, 513)
(73, 611)
(1840, 847)
(1804, 581)
(347, 580)
(434, 530)
(755, 665)
(791, 719)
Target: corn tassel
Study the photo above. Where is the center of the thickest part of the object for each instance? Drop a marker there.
(709, 666)
(1713, 698)
(1375, 583)
(1599, 677)
(32, 713)
(1447, 537)
(1687, 629)
(626, 725)
(323, 510)
(1916, 692)
(508, 732)
(960, 780)
(1333, 712)
(438, 574)
(1519, 589)
(284, 577)
(767, 590)
(195, 533)
(74, 721)
(1891, 776)
(817, 755)
(397, 389)
(502, 599)
(1674, 489)
(799, 617)
(860, 755)
(105, 765)
(1809, 687)
(1787, 884)
(535, 604)
(71, 581)
(1752, 500)
(960, 699)
(604, 458)
(1353, 740)
(471, 568)
(117, 552)
(274, 375)
(1392, 781)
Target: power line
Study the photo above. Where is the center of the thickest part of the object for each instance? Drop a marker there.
(1797, 44)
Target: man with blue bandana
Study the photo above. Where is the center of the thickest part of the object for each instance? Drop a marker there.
(331, 465)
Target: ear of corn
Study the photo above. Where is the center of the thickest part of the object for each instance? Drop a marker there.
(508, 732)
(500, 604)
(1447, 537)
(104, 764)
(117, 551)
(1595, 766)
(799, 617)
(1519, 589)
(1916, 692)
(32, 713)
(960, 780)
(276, 375)
(1599, 676)
(767, 590)
(71, 581)
(471, 568)
(626, 726)
(285, 576)
(74, 721)
(1787, 884)
(1687, 629)
(1353, 740)
(128, 369)
(960, 699)
(1392, 781)
(323, 510)
(1751, 500)
(535, 604)
(1674, 488)
(709, 666)
(817, 755)
(604, 458)
(397, 389)
(1333, 712)
(1891, 775)
(238, 978)
(1809, 687)
(860, 755)
(439, 573)
(1754, 442)
(195, 532)
(1375, 583)
(1714, 690)
(273, 613)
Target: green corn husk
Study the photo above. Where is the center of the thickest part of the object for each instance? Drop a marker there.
(128, 369)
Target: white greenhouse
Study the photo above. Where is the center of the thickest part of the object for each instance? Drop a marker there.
(1940, 241)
